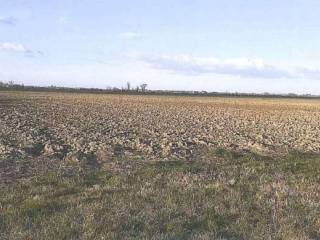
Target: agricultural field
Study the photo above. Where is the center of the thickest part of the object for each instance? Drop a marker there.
(90, 166)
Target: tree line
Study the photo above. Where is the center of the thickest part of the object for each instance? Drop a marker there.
(142, 89)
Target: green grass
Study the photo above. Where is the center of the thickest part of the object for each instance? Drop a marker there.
(217, 194)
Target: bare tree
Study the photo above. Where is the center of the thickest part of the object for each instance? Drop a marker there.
(128, 86)
(143, 87)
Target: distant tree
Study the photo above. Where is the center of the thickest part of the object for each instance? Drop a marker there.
(11, 83)
(128, 86)
(143, 87)
(137, 88)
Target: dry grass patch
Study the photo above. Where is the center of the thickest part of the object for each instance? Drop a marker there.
(218, 194)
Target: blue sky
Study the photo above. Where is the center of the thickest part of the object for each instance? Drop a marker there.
(239, 45)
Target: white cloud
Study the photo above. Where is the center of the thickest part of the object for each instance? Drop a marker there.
(118, 72)
(15, 47)
(18, 47)
(130, 35)
(8, 20)
(238, 67)
(311, 73)
(241, 67)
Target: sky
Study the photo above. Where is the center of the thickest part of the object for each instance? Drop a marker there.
(212, 45)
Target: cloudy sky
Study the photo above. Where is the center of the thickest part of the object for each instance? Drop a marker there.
(213, 45)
